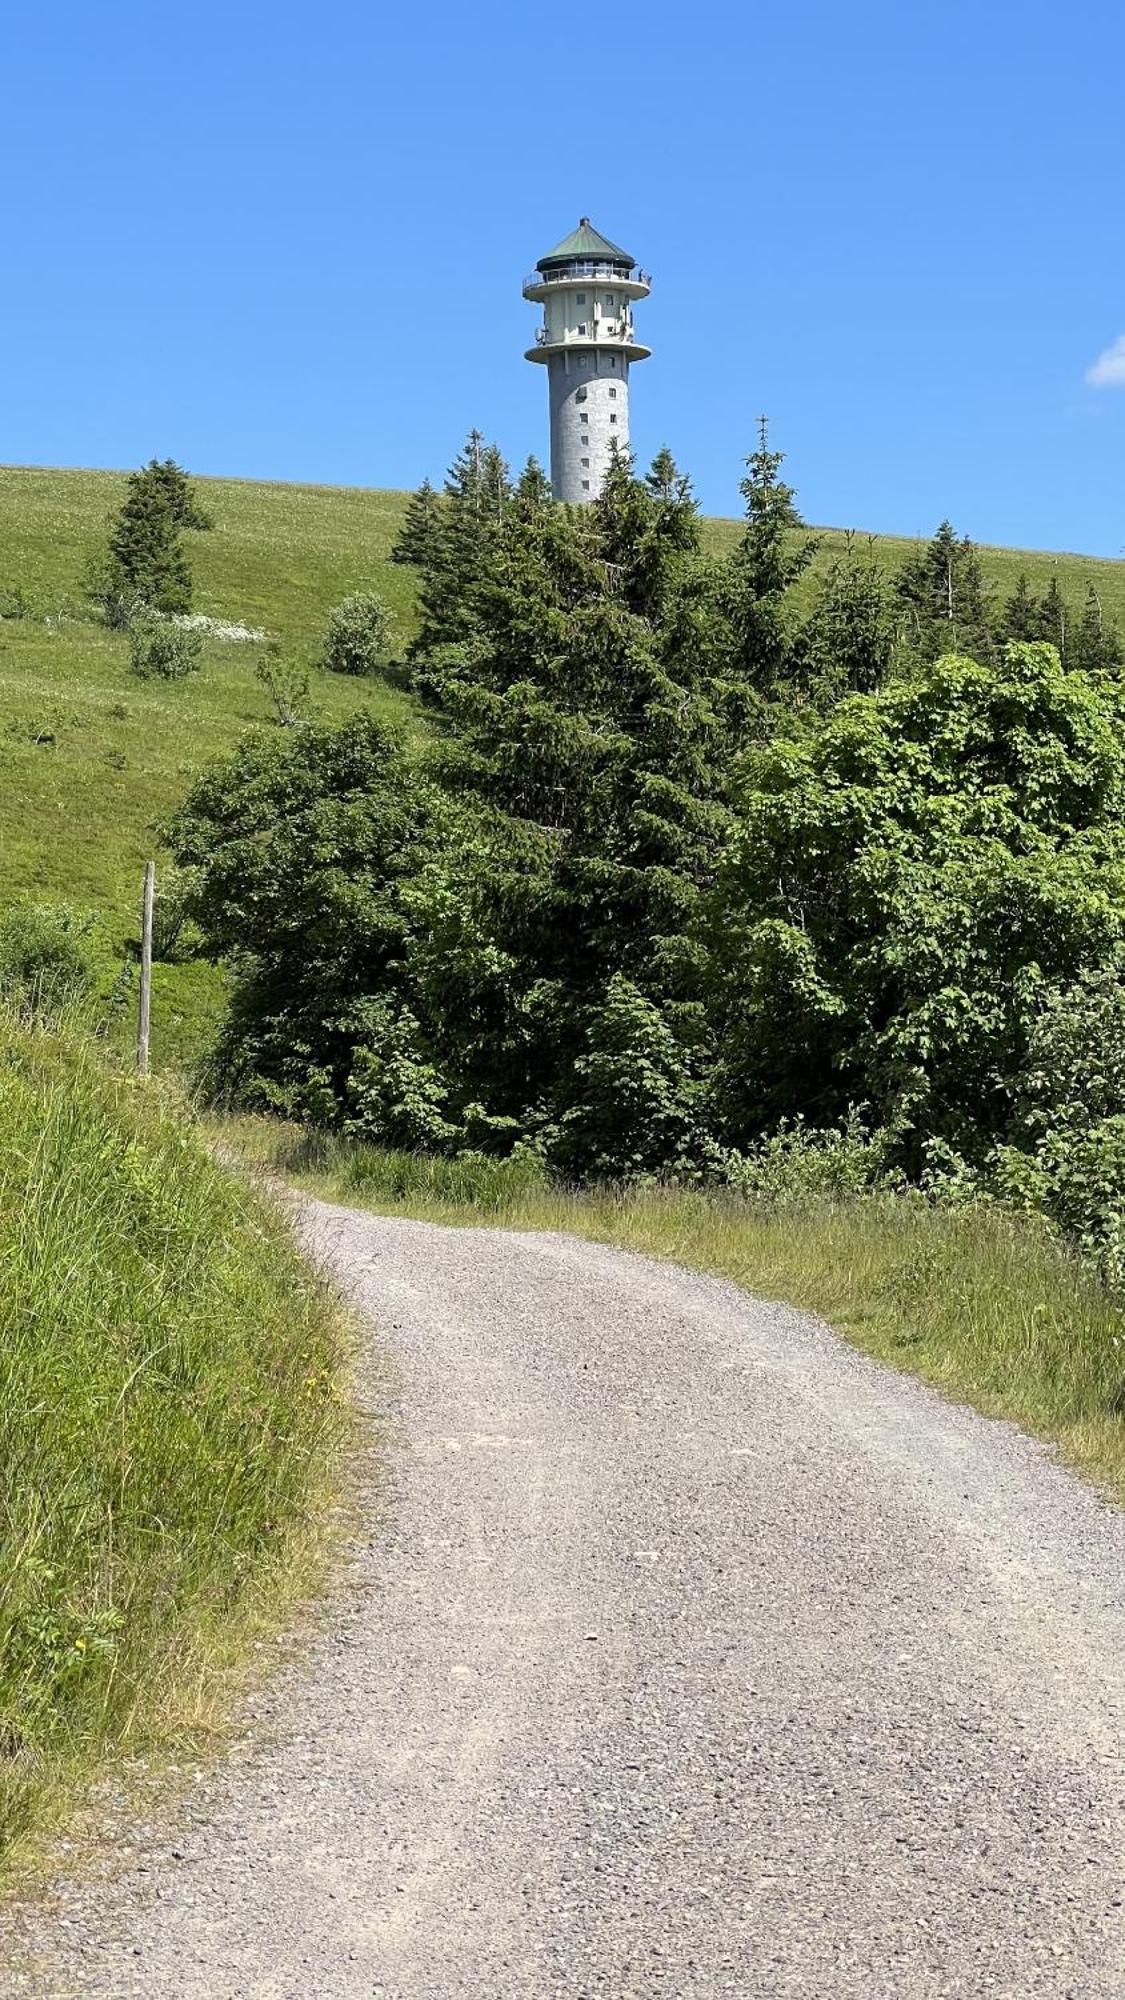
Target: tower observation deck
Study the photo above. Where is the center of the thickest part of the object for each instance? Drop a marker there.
(587, 287)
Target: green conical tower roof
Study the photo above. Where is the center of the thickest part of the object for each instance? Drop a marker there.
(585, 241)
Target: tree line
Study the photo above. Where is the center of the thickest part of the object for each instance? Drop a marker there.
(697, 848)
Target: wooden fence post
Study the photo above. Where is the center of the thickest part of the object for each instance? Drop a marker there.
(146, 969)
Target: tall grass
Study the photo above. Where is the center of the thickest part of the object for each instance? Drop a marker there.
(168, 1415)
(986, 1306)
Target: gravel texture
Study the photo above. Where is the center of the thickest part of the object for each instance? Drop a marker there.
(684, 1653)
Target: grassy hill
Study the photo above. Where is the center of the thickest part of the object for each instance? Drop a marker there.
(91, 757)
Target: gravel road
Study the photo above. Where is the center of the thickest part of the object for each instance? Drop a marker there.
(684, 1653)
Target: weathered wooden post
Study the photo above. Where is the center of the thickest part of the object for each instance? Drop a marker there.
(146, 969)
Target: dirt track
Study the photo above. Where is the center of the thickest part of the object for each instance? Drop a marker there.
(695, 1655)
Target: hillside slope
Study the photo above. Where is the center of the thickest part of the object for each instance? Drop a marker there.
(91, 758)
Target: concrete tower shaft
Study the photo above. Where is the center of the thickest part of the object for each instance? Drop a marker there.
(587, 287)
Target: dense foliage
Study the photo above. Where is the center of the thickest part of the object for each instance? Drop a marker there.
(698, 847)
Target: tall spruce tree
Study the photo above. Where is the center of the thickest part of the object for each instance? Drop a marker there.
(773, 554)
(597, 743)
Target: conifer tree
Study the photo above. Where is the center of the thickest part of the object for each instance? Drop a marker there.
(1096, 645)
(647, 527)
(147, 565)
(1022, 617)
(772, 555)
(847, 642)
(533, 488)
(419, 537)
(1054, 619)
(944, 599)
(478, 492)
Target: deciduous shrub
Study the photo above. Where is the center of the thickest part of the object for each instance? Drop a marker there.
(162, 650)
(286, 684)
(357, 635)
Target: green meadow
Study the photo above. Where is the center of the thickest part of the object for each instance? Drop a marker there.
(92, 758)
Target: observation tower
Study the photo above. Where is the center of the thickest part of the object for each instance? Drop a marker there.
(587, 287)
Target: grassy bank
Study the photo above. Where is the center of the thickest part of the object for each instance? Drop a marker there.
(169, 1420)
(984, 1306)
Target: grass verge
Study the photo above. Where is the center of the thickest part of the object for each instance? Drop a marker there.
(170, 1421)
(985, 1306)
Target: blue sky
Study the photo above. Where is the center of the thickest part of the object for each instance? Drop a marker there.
(286, 241)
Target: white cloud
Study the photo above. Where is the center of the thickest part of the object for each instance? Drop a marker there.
(1108, 371)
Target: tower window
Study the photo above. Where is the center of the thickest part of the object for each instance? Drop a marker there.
(613, 417)
(613, 360)
(582, 326)
(609, 300)
(585, 486)
(586, 463)
(581, 394)
(579, 298)
(613, 393)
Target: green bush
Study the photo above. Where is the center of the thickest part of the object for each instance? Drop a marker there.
(287, 685)
(166, 1411)
(48, 958)
(800, 1164)
(357, 636)
(161, 650)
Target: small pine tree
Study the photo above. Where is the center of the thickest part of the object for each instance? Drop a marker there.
(419, 538)
(146, 565)
(1055, 621)
(1021, 617)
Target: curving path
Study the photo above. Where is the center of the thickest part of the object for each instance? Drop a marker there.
(692, 1655)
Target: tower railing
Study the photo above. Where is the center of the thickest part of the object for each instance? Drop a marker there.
(607, 333)
(587, 268)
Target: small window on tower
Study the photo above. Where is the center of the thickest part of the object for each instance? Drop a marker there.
(613, 394)
(580, 395)
(579, 298)
(613, 417)
(609, 301)
(613, 360)
(586, 464)
(585, 486)
(582, 326)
